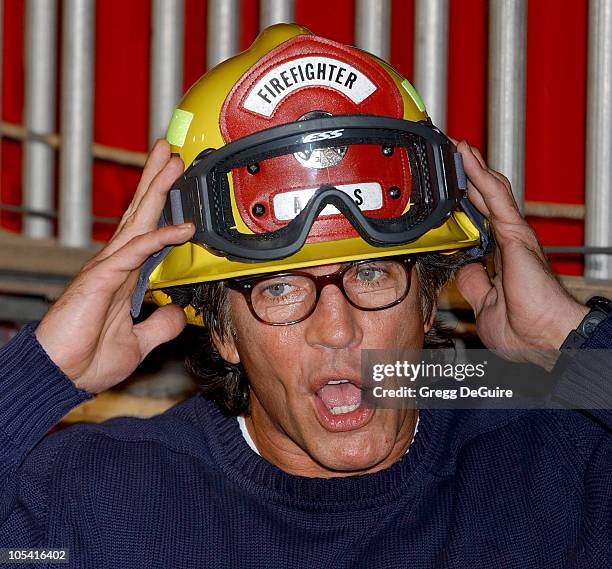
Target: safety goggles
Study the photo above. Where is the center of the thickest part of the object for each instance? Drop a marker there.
(410, 179)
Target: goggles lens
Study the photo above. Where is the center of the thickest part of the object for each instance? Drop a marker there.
(377, 178)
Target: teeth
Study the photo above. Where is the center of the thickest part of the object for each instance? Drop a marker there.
(337, 381)
(343, 409)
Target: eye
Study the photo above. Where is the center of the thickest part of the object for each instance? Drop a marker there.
(368, 274)
(282, 289)
(277, 289)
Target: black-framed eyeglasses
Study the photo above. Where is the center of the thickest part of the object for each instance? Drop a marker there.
(284, 298)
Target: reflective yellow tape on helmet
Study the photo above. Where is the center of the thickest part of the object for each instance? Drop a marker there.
(414, 94)
(178, 127)
(412, 112)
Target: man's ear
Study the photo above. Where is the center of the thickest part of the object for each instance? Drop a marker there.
(227, 348)
(430, 321)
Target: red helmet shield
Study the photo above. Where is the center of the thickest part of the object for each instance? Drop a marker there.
(300, 78)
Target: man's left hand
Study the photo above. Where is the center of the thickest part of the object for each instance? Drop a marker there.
(523, 308)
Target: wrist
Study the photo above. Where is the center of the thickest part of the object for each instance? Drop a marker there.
(57, 352)
(598, 309)
(568, 320)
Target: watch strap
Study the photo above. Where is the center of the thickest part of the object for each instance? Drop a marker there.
(601, 308)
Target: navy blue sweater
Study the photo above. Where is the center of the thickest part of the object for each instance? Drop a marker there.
(512, 489)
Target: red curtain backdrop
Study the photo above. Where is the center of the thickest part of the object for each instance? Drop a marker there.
(556, 90)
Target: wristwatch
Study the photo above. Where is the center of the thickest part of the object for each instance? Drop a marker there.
(601, 308)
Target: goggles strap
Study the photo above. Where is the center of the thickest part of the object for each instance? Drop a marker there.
(461, 177)
(143, 279)
(478, 220)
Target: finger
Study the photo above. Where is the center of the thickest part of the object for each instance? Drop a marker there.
(165, 324)
(473, 193)
(152, 204)
(160, 155)
(157, 159)
(494, 173)
(476, 198)
(476, 152)
(161, 182)
(501, 205)
(134, 253)
(146, 217)
(112, 272)
(478, 155)
(474, 284)
(506, 183)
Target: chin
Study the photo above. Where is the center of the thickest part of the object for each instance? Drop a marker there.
(356, 455)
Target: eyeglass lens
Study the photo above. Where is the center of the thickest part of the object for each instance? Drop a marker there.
(287, 298)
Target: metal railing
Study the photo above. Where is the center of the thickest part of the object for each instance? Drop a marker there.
(222, 40)
(373, 26)
(506, 104)
(275, 12)
(598, 190)
(75, 162)
(431, 56)
(166, 67)
(39, 116)
(506, 86)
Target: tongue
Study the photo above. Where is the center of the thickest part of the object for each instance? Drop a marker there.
(340, 394)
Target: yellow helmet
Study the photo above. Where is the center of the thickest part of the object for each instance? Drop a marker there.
(288, 75)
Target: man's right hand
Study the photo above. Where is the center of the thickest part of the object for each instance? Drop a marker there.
(88, 332)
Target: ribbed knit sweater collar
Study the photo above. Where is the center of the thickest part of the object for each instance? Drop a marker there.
(246, 468)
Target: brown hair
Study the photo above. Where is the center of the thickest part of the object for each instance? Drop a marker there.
(227, 384)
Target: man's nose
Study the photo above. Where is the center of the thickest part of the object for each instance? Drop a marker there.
(333, 323)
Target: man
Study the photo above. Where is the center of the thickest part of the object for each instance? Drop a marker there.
(327, 482)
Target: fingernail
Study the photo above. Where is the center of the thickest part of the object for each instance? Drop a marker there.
(185, 227)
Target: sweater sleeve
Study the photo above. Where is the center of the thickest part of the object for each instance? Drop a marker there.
(34, 396)
(586, 383)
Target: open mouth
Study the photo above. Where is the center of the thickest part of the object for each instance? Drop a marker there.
(340, 396)
(338, 404)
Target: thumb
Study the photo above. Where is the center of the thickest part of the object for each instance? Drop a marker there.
(474, 284)
(165, 324)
